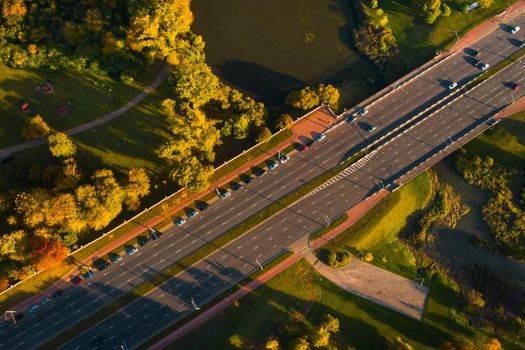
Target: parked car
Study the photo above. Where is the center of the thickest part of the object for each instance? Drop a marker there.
(514, 29)
(320, 137)
(154, 234)
(58, 293)
(131, 250)
(247, 179)
(235, 186)
(143, 241)
(224, 194)
(33, 308)
(302, 148)
(283, 158)
(273, 165)
(521, 43)
(259, 172)
(350, 118)
(203, 206)
(452, 85)
(192, 213)
(115, 258)
(371, 128)
(76, 280)
(102, 266)
(516, 87)
(180, 221)
(89, 274)
(45, 300)
(474, 53)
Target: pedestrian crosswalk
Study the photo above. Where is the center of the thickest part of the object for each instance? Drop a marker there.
(347, 171)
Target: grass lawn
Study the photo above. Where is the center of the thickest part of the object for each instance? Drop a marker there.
(419, 41)
(91, 96)
(505, 142)
(301, 294)
(377, 231)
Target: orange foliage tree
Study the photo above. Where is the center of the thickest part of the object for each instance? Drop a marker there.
(47, 253)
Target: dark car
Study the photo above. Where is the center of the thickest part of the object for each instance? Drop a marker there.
(99, 341)
(235, 186)
(474, 53)
(76, 280)
(248, 179)
(259, 172)
(89, 275)
(154, 234)
(203, 206)
(115, 258)
(102, 266)
(143, 241)
(58, 293)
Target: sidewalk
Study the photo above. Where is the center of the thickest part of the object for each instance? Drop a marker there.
(354, 215)
(311, 125)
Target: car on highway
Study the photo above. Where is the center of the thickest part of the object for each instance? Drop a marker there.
(259, 172)
(371, 128)
(235, 186)
(362, 111)
(516, 87)
(103, 265)
(45, 300)
(180, 221)
(283, 158)
(192, 213)
(482, 66)
(76, 280)
(57, 293)
(452, 85)
(514, 29)
(273, 165)
(320, 137)
(247, 179)
(131, 250)
(202, 206)
(115, 258)
(33, 308)
(89, 275)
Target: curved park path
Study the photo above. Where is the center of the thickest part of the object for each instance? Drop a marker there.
(94, 123)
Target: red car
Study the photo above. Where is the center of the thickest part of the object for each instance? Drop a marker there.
(76, 280)
(516, 86)
(303, 148)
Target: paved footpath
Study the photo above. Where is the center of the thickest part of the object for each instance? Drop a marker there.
(307, 127)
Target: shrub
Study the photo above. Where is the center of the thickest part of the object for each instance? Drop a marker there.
(264, 135)
(369, 257)
(35, 128)
(338, 259)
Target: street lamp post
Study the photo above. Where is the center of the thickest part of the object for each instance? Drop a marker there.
(194, 304)
(12, 316)
(258, 263)
(457, 41)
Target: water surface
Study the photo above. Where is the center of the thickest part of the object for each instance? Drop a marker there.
(269, 47)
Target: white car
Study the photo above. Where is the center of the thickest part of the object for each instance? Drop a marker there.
(515, 29)
(483, 66)
(452, 85)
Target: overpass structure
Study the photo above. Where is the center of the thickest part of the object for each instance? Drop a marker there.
(417, 124)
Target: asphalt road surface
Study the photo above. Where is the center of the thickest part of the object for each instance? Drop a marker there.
(140, 320)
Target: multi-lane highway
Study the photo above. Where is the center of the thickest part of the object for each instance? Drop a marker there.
(143, 318)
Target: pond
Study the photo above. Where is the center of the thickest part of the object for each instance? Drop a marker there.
(456, 245)
(268, 47)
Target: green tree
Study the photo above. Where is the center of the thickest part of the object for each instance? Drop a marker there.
(35, 128)
(60, 145)
(192, 174)
(264, 135)
(284, 121)
(429, 10)
(485, 4)
(445, 10)
(14, 245)
(138, 187)
(304, 99)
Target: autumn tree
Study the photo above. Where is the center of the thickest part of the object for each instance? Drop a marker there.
(272, 344)
(195, 83)
(284, 121)
(264, 135)
(300, 344)
(4, 284)
(14, 245)
(192, 174)
(138, 186)
(328, 94)
(304, 99)
(60, 145)
(399, 344)
(429, 10)
(492, 344)
(485, 4)
(35, 128)
(47, 253)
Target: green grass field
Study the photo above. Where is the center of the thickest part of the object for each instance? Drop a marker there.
(301, 294)
(377, 231)
(505, 142)
(418, 41)
(91, 96)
